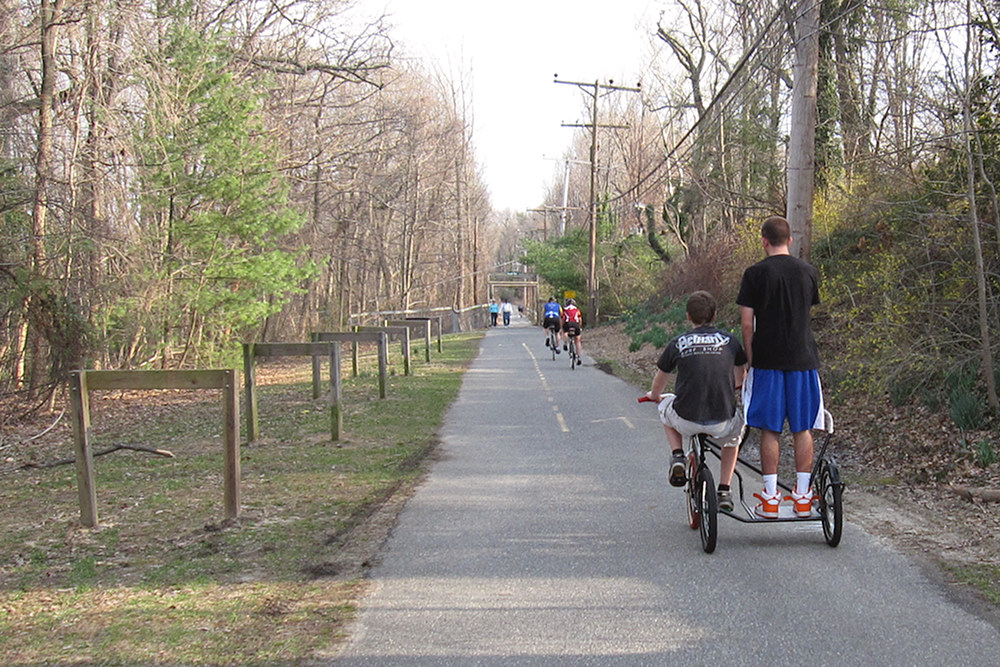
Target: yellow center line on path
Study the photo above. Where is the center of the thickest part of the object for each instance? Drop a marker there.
(548, 390)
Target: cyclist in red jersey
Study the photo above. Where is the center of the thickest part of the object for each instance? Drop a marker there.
(572, 320)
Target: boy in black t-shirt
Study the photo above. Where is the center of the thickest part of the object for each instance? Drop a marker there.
(710, 364)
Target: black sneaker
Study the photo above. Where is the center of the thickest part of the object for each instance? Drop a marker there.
(565, 346)
(558, 351)
(677, 475)
(725, 500)
(546, 342)
(579, 361)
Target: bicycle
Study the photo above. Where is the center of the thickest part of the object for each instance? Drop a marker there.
(703, 503)
(573, 353)
(553, 342)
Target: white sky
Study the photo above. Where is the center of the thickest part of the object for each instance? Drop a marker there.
(513, 49)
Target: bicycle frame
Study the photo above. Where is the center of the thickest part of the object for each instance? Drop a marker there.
(702, 443)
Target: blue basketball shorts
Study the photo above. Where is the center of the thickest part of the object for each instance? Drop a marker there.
(770, 397)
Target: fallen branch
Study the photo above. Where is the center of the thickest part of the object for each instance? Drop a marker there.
(135, 448)
(972, 493)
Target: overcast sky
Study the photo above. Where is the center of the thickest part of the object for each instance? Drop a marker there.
(513, 50)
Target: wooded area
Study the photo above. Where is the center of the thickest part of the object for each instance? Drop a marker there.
(180, 177)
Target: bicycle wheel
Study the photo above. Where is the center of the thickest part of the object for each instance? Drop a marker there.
(693, 506)
(709, 505)
(552, 343)
(831, 497)
(572, 354)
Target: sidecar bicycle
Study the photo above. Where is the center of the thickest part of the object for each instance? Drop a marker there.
(702, 501)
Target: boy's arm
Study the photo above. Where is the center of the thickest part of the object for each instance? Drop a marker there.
(746, 325)
(659, 384)
(739, 372)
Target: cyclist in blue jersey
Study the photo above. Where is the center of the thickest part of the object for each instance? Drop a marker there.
(551, 319)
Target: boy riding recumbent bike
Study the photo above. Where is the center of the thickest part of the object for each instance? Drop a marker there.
(702, 501)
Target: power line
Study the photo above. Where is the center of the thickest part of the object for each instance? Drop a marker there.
(740, 65)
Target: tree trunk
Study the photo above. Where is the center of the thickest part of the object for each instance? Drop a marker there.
(50, 14)
(985, 347)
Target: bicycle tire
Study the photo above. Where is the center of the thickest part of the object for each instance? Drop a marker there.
(552, 343)
(831, 501)
(693, 509)
(709, 509)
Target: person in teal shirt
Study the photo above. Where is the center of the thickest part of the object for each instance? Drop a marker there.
(494, 312)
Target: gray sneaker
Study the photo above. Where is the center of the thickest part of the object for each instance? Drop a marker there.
(678, 476)
(725, 501)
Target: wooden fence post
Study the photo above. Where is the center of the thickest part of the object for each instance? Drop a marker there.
(313, 349)
(231, 443)
(250, 392)
(404, 332)
(80, 409)
(336, 411)
(376, 335)
(411, 323)
(316, 370)
(383, 364)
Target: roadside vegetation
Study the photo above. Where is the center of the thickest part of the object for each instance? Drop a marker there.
(164, 580)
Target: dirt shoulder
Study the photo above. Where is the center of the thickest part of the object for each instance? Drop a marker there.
(905, 483)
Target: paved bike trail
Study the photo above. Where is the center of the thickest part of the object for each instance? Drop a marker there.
(547, 534)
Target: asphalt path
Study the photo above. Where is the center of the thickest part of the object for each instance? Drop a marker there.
(548, 534)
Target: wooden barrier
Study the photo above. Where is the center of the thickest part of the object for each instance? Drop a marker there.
(401, 333)
(315, 350)
(82, 382)
(354, 337)
(422, 327)
(432, 320)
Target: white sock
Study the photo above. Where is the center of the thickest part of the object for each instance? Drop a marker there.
(770, 485)
(802, 480)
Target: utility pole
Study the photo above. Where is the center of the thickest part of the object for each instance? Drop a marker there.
(565, 208)
(545, 220)
(594, 90)
(802, 131)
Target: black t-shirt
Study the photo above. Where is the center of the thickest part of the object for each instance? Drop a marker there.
(781, 289)
(704, 359)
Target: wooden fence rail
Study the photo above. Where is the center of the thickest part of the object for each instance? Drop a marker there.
(430, 321)
(417, 328)
(315, 350)
(401, 334)
(354, 337)
(82, 382)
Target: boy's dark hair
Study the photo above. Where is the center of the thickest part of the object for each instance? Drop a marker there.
(701, 308)
(776, 230)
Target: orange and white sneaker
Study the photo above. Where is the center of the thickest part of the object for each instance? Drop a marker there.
(767, 508)
(803, 503)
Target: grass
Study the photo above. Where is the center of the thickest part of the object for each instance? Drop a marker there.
(984, 578)
(163, 579)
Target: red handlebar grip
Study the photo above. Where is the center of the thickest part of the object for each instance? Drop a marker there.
(646, 399)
